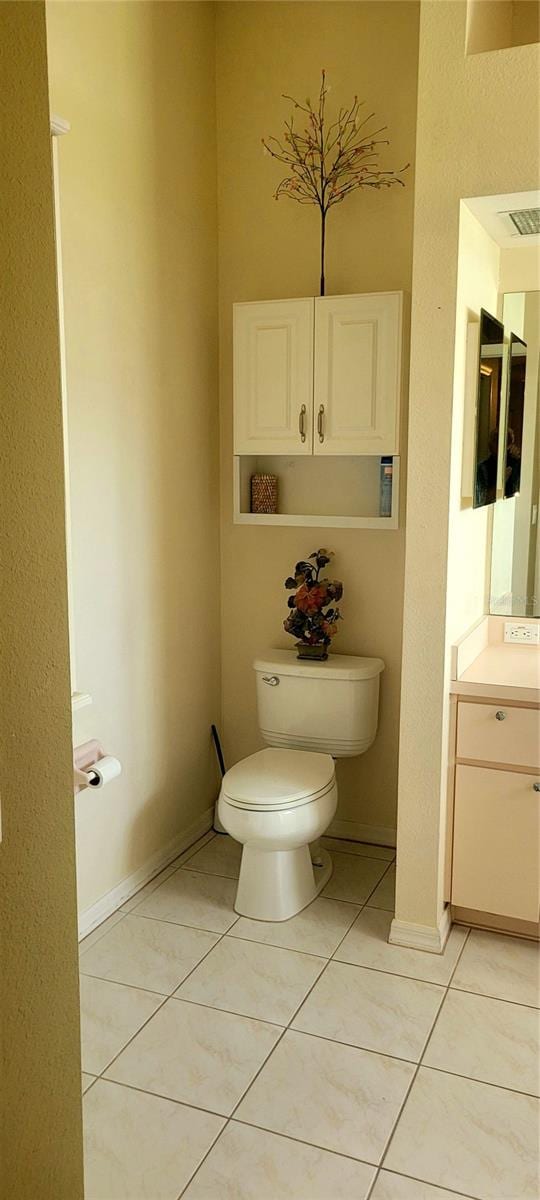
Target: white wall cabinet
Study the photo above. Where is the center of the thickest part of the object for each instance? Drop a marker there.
(273, 377)
(318, 376)
(357, 374)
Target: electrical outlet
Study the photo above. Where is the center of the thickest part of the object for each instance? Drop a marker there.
(526, 633)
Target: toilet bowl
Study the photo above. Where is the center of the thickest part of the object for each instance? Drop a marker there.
(277, 802)
(280, 800)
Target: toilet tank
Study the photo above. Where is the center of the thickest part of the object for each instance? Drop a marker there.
(331, 706)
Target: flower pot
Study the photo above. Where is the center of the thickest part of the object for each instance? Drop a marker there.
(319, 653)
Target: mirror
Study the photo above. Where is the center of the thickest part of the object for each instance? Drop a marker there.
(515, 408)
(515, 550)
(488, 409)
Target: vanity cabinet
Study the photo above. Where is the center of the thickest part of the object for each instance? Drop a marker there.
(496, 839)
(496, 813)
(498, 734)
(318, 376)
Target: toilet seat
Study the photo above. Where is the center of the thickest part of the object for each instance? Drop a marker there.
(275, 779)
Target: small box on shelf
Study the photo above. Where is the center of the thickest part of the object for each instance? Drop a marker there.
(264, 493)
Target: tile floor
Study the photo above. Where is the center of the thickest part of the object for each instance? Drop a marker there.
(229, 1059)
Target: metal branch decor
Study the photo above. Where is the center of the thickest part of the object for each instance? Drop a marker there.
(328, 161)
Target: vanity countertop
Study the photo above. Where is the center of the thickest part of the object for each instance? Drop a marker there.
(484, 665)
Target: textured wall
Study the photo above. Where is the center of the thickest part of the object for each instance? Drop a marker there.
(269, 250)
(138, 209)
(40, 1122)
(477, 135)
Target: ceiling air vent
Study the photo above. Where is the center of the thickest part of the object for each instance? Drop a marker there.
(526, 220)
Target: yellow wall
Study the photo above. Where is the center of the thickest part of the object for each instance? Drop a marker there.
(41, 1153)
(495, 24)
(269, 250)
(138, 210)
(520, 269)
(487, 144)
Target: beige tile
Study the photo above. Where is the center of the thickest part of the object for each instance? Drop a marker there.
(100, 931)
(147, 953)
(160, 878)
(148, 888)
(384, 895)
(187, 855)
(196, 1055)
(367, 945)
(487, 1039)
(110, 1015)
(87, 1081)
(190, 898)
(397, 1187)
(140, 1147)
(353, 877)
(500, 966)
(364, 849)
(252, 1164)
(371, 1009)
(335, 1097)
(221, 856)
(257, 981)
(317, 930)
(468, 1137)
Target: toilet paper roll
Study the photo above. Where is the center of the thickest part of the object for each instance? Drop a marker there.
(102, 771)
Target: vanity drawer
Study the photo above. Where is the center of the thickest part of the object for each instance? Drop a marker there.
(498, 733)
(495, 866)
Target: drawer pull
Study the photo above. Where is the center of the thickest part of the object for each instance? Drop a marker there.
(536, 787)
(500, 715)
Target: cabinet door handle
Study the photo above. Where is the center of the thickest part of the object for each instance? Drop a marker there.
(302, 423)
(500, 715)
(320, 423)
(536, 787)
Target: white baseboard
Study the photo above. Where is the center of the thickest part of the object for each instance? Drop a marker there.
(431, 938)
(378, 835)
(103, 908)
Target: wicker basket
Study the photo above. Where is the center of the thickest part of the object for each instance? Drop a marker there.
(264, 494)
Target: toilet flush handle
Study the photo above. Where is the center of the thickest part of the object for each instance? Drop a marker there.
(272, 680)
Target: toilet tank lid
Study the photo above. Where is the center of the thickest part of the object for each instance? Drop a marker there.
(337, 666)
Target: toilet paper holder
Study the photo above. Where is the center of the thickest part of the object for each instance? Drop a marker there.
(92, 768)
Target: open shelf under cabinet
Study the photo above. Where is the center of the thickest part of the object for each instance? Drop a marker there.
(346, 488)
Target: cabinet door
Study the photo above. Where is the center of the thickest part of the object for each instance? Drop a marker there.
(273, 377)
(499, 733)
(495, 862)
(357, 373)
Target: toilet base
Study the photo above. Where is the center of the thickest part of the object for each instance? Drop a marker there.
(275, 885)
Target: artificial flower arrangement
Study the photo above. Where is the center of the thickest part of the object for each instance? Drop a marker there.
(314, 612)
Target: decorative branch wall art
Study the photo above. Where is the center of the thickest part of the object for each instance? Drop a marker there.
(328, 161)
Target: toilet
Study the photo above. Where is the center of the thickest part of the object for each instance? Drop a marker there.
(278, 802)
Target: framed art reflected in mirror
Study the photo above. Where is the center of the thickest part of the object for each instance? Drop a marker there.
(515, 546)
(517, 366)
(488, 409)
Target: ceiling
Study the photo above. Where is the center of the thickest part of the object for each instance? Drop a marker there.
(492, 213)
